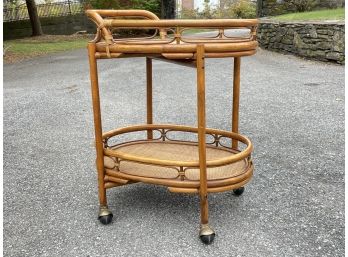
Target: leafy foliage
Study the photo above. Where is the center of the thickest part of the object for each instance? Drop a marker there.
(226, 9)
(243, 9)
(300, 5)
(189, 14)
(150, 5)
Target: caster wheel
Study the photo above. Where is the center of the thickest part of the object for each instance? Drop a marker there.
(207, 239)
(105, 215)
(105, 219)
(206, 234)
(238, 191)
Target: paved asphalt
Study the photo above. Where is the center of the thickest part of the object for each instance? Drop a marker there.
(291, 109)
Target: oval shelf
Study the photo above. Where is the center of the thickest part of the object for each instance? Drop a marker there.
(175, 163)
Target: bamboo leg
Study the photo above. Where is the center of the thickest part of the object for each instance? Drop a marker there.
(201, 133)
(149, 95)
(97, 122)
(236, 92)
(105, 216)
(206, 233)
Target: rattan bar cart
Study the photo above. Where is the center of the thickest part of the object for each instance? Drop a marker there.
(202, 166)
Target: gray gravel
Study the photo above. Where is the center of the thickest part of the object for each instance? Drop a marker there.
(292, 110)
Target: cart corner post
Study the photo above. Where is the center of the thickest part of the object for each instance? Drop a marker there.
(206, 233)
(105, 216)
(236, 93)
(149, 109)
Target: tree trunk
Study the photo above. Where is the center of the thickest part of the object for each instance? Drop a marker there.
(168, 9)
(34, 18)
(259, 11)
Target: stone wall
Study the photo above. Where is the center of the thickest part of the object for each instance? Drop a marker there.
(53, 26)
(316, 40)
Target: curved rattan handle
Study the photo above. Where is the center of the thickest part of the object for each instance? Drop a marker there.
(97, 17)
(122, 13)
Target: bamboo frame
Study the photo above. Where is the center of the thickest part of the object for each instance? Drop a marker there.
(201, 134)
(149, 96)
(236, 93)
(97, 123)
(122, 177)
(218, 162)
(179, 49)
(176, 48)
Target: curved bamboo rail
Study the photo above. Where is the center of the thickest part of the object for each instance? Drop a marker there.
(219, 162)
(171, 38)
(124, 178)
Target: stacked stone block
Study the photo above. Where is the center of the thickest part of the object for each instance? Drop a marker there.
(315, 40)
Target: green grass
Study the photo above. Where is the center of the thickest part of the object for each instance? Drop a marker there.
(193, 31)
(35, 46)
(32, 47)
(329, 14)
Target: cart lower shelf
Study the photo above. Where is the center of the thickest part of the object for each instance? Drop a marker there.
(175, 163)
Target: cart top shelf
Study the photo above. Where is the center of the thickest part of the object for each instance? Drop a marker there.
(170, 38)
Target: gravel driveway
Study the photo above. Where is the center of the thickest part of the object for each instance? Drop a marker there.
(291, 109)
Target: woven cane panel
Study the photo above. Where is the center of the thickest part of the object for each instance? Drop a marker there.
(221, 172)
(174, 151)
(148, 170)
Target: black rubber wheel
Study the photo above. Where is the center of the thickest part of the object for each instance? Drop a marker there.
(238, 191)
(105, 219)
(207, 239)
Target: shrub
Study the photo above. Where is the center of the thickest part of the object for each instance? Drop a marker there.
(188, 14)
(208, 11)
(331, 4)
(300, 5)
(226, 9)
(150, 5)
(242, 9)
